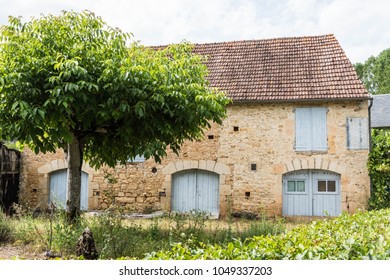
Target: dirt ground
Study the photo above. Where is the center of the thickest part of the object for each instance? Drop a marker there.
(13, 252)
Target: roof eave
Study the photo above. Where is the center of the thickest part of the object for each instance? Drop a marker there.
(301, 100)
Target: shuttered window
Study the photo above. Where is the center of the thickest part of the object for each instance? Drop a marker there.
(357, 133)
(310, 129)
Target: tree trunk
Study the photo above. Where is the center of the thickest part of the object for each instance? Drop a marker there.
(74, 158)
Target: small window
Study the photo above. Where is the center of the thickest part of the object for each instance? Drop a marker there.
(326, 186)
(137, 159)
(296, 186)
(322, 186)
(300, 186)
(331, 186)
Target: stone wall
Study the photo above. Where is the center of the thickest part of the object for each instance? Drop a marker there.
(260, 134)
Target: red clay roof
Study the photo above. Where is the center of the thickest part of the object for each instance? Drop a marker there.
(298, 68)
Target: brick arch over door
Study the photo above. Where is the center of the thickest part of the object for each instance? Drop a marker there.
(222, 170)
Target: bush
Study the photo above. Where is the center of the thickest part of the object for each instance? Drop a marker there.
(6, 232)
(365, 235)
(379, 169)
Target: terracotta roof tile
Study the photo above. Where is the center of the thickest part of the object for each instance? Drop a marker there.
(296, 68)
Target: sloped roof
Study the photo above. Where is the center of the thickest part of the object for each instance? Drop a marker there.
(380, 111)
(297, 68)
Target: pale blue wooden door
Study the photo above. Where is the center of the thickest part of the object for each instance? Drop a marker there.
(311, 193)
(296, 194)
(326, 193)
(58, 189)
(195, 190)
(184, 191)
(84, 192)
(207, 192)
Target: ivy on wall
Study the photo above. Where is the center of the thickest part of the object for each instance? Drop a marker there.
(379, 169)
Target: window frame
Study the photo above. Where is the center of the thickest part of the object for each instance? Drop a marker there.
(296, 180)
(336, 192)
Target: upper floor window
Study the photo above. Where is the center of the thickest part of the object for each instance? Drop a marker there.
(310, 129)
(137, 159)
(357, 133)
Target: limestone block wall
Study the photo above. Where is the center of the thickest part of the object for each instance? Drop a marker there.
(264, 134)
(253, 134)
(138, 186)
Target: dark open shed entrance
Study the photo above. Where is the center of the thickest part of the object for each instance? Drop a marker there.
(9, 177)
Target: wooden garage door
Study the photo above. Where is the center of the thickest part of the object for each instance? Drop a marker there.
(195, 190)
(58, 189)
(311, 193)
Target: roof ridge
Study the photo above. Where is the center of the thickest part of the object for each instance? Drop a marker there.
(330, 35)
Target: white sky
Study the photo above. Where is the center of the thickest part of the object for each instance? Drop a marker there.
(361, 26)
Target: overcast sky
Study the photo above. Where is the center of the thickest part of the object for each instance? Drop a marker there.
(361, 26)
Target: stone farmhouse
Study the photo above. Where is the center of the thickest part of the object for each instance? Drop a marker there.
(296, 142)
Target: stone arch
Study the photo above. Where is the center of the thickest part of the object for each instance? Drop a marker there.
(312, 163)
(219, 168)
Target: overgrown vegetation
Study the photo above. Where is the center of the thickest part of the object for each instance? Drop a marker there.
(6, 232)
(365, 235)
(379, 169)
(116, 237)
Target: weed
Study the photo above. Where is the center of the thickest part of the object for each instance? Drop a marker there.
(6, 232)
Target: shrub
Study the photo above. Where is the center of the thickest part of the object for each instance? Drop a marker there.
(365, 235)
(379, 169)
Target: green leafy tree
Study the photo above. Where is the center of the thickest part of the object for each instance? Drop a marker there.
(375, 73)
(72, 82)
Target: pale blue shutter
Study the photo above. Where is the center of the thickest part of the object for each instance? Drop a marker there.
(310, 129)
(357, 133)
(320, 138)
(303, 129)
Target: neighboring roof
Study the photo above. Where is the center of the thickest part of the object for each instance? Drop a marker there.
(298, 68)
(380, 111)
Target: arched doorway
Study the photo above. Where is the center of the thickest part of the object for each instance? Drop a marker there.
(58, 189)
(195, 190)
(311, 193)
